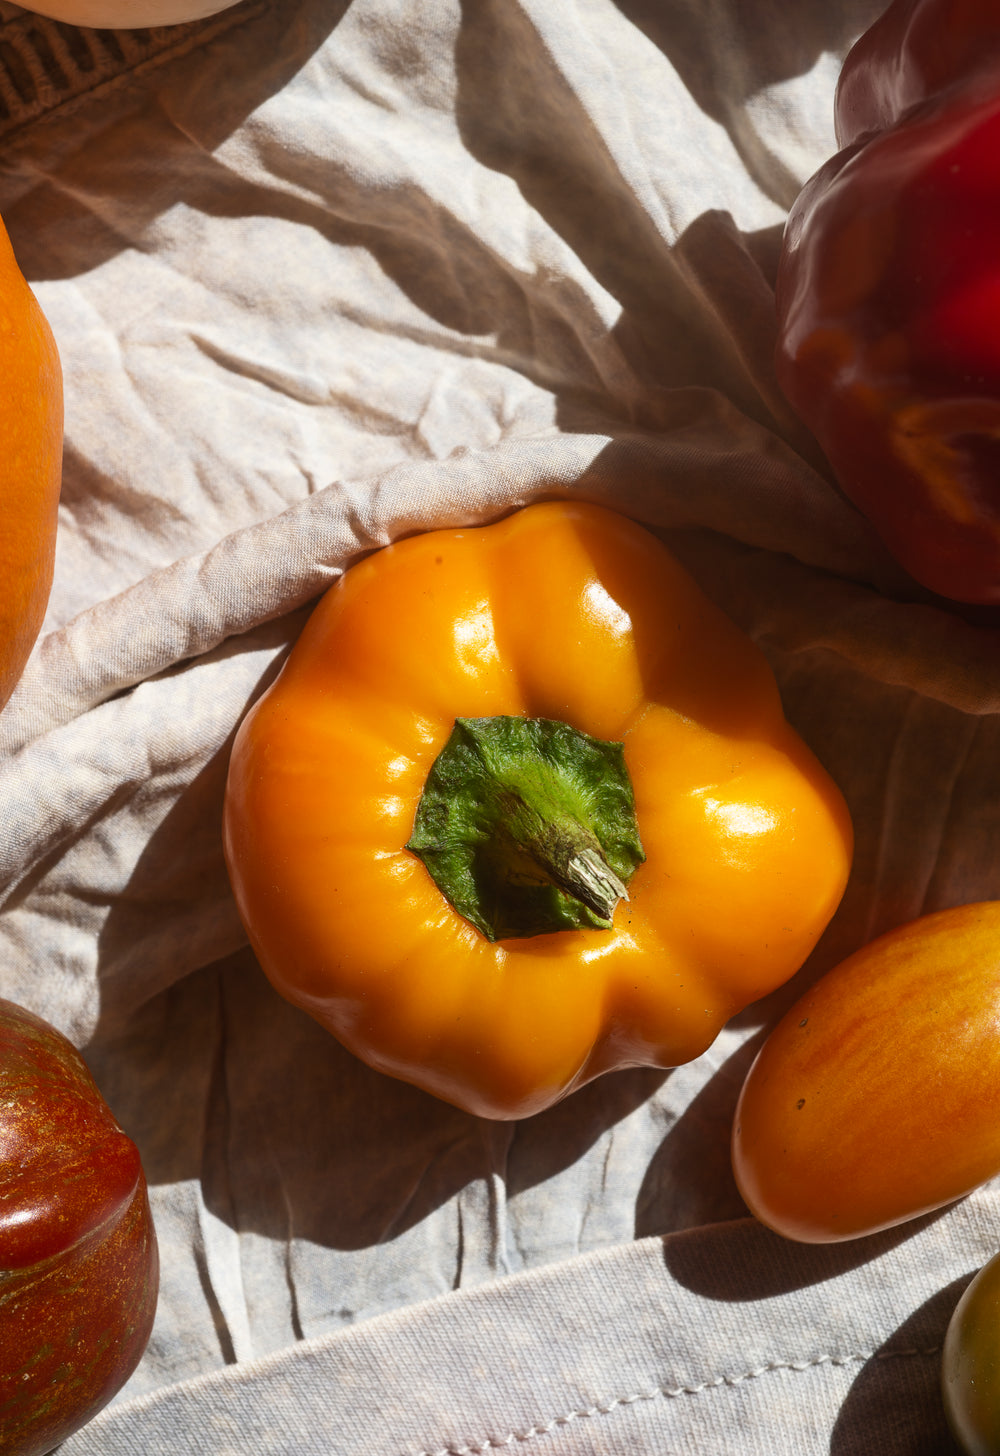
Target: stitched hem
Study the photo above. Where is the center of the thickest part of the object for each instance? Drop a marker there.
(47, 66)
(669, 1392)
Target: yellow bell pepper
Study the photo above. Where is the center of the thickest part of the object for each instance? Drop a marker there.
(522, 807)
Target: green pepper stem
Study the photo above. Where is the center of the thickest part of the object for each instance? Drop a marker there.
(528, 826)
(594, 882)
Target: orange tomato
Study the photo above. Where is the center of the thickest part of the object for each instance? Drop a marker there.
(31, 421)
(874, 1098)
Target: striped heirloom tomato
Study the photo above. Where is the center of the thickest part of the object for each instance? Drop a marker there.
(79, 1267)
(874, 1098)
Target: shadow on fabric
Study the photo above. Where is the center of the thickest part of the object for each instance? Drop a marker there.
(742, 1261)
(894, 1406)
(220, 1080)
(689, 1181)
(171, 116)
(728, 51)
(517, 114)
(697, 316)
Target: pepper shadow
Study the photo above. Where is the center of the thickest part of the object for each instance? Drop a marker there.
(689, 1180)
(218, 1079)
(390, 1154)
(894, 1406)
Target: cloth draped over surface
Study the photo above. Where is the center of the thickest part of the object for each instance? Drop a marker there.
(322, 275)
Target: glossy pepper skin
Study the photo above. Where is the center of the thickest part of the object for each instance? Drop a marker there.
(888, 293)
(562, 612)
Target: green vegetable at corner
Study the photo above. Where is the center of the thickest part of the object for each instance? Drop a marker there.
(970, 1370)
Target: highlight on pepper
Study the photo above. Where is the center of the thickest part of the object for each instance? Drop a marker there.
(522, 807)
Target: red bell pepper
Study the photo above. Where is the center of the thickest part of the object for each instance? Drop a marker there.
(888, 292)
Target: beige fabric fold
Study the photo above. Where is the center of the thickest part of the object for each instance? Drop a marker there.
(323, 275)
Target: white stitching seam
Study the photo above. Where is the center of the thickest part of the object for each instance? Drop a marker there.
(492, 1443)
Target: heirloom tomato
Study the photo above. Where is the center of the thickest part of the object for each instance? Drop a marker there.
(874, 1098)
(78, 1256)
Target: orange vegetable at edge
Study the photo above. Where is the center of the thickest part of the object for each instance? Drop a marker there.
(31, 422)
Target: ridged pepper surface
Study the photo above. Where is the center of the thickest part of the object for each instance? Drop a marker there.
(523, 807)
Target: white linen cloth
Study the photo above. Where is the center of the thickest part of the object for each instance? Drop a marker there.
(323, 274)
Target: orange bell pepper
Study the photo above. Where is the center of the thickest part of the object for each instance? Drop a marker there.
(522, 807)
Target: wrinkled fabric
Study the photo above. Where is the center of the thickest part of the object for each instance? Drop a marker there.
(323, 275)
